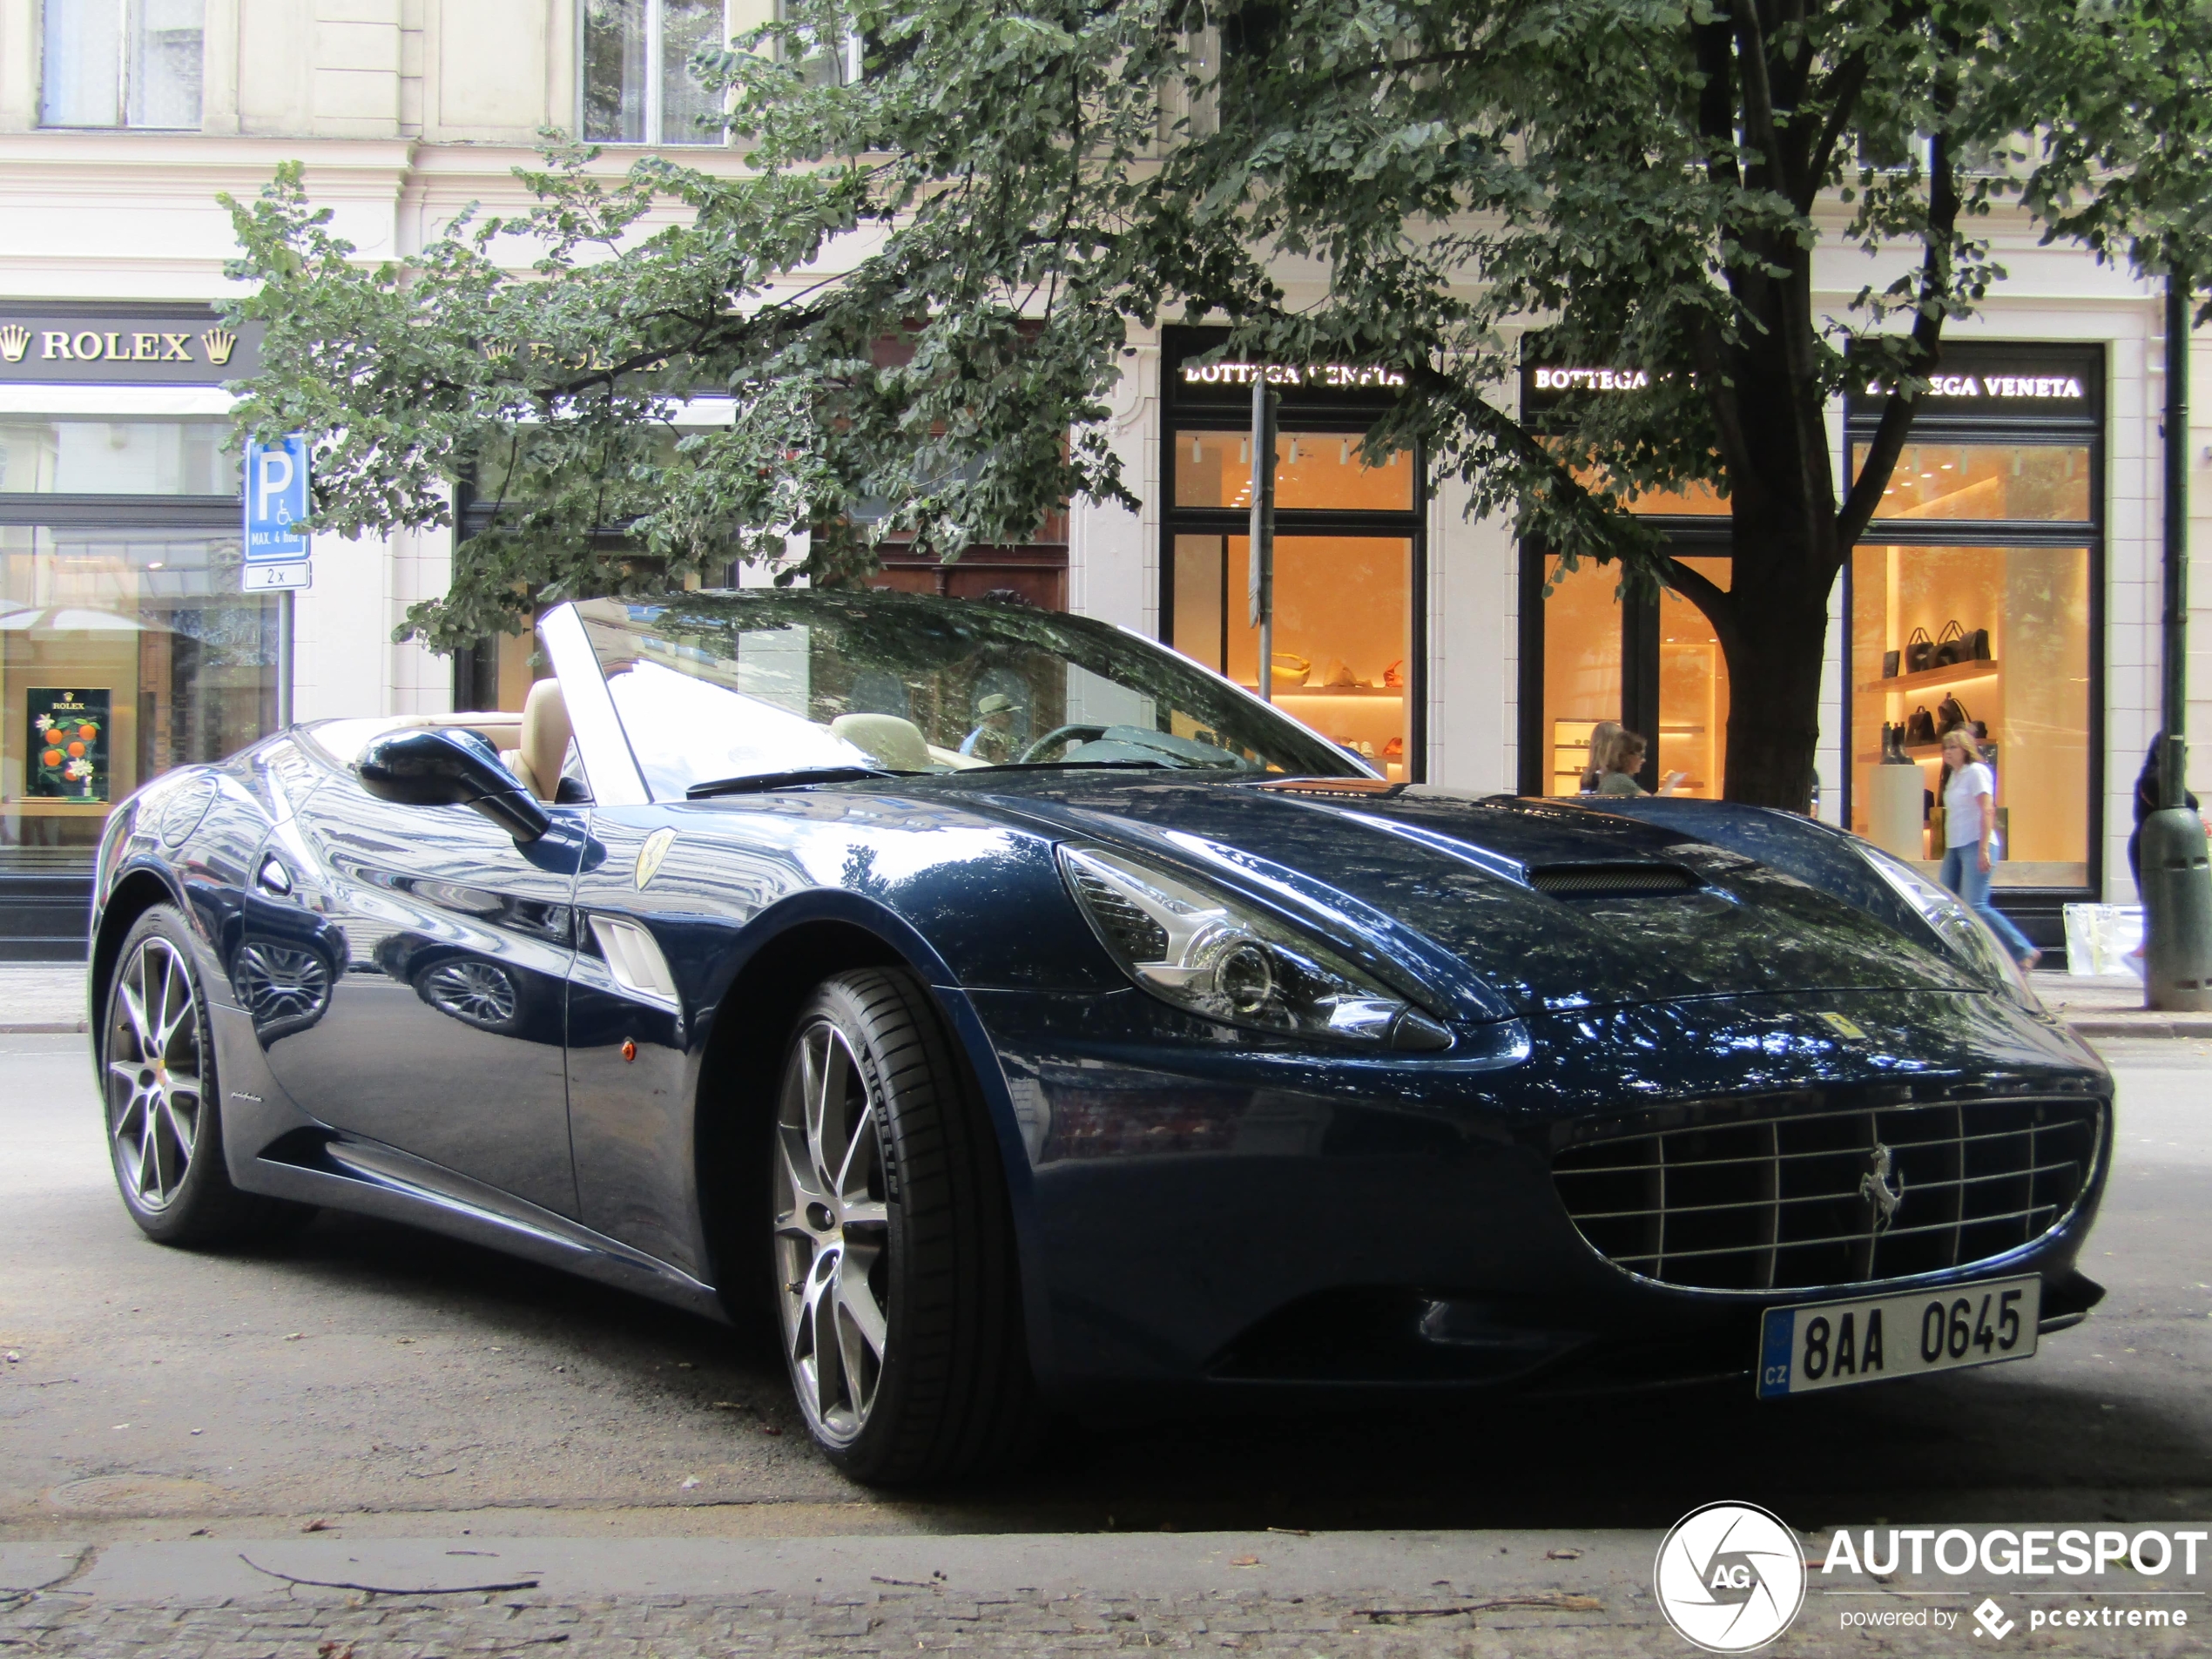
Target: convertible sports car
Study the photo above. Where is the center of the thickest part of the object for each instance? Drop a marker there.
(1025, 1017)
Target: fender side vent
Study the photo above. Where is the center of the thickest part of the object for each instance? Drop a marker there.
(1612, 881)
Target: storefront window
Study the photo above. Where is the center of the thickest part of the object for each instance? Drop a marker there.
(116, 457)
(1342, 605)
(2023, 615)
(1582, 668)
(1315, 469)
(1693, 691)
(125, 647)
(1660, 674)
(1971, 601)
(1350, 546)
(2024, 481)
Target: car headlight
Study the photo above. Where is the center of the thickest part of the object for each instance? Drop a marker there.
(1207, 953)
(1964, 934)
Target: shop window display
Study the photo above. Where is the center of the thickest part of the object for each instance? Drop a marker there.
(1342, 631)
(1343, 604)
(126, 648)
(1586, 644)
(1350, 545)
(1997, 636)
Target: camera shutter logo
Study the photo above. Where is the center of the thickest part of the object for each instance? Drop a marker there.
(1729, 1577)
(1992, 1618)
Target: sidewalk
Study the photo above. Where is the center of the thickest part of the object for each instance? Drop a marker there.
(2110, 1007)
(42, 996)
(1332, 1596)
(50, 997)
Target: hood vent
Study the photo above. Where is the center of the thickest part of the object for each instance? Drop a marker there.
(1612, 881)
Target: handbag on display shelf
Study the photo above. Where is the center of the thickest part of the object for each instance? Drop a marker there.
(1888, 663)
(1288, 668)
(1919, 652)
(1977, 646)
(1920, 728)
(1952, 647)
(1951, 714)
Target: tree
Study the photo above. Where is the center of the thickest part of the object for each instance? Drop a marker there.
(1642, 182)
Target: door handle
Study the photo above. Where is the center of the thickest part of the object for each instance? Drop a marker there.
(273, 877)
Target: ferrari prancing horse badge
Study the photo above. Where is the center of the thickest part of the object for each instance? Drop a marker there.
(650, 854)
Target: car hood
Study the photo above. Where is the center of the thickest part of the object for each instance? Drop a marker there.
(1508, 906)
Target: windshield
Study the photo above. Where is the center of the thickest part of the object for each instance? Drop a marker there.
(716, 686)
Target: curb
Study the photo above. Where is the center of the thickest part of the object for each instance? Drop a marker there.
(2185, 1027)
(50, 1028)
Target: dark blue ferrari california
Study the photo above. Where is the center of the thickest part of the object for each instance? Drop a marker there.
(1025, 1017)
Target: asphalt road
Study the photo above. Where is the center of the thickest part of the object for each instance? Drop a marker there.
(392, 1382)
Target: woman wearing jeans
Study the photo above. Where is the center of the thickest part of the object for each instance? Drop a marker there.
(1969, 819)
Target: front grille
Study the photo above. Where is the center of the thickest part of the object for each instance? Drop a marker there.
(1611, 880)
(1778, 1203)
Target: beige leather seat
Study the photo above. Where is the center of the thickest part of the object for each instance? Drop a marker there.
(545, 739)
(889, 741)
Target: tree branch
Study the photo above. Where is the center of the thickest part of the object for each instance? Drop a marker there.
(1927, 340)
(1715, 601)
(1841, 89)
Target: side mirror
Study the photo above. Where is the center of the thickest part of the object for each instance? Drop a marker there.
(432, 766)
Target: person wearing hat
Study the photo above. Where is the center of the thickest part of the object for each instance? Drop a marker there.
(993, 738)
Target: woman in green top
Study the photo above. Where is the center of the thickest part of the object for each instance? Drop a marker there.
(1616, 759)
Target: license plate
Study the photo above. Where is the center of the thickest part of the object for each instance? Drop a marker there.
(1833, 1344)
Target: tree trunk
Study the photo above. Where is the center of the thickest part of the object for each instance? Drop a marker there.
(1775, 640)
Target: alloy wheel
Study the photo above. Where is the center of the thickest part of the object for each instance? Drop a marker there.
(155, 1064)
(832, 1233)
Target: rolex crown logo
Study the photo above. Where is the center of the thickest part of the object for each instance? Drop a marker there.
(15, 340)
(219, 343)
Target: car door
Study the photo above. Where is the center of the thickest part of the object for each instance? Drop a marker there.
(442, 949)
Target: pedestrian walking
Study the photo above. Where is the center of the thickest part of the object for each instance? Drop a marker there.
(1969, 825)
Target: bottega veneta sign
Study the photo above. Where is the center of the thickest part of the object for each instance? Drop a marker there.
(146, 344)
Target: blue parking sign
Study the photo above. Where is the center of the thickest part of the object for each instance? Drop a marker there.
(276, 500)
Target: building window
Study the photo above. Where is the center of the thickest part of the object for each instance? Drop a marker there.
(1349, 553)
(126, 646)
(121, 63)
(639, 86)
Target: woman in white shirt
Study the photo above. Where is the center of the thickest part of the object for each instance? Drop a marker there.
(1969, 822)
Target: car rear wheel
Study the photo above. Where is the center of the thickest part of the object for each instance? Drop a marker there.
(895, 1278)
(164, 1120)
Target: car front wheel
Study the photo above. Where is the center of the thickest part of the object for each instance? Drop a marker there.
(893, 1247)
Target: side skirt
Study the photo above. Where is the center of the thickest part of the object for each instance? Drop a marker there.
(318, 1167)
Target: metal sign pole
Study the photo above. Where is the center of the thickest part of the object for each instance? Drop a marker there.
(1259, 585)
(284, 658)
(2171, 860)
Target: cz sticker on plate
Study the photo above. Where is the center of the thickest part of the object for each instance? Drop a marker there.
(1833, 1344)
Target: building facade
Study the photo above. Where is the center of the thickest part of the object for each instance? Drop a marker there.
(2025, 528)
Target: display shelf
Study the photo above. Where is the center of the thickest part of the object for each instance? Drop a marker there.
(1929, 678)
(1926, 750)
(1281, 691)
